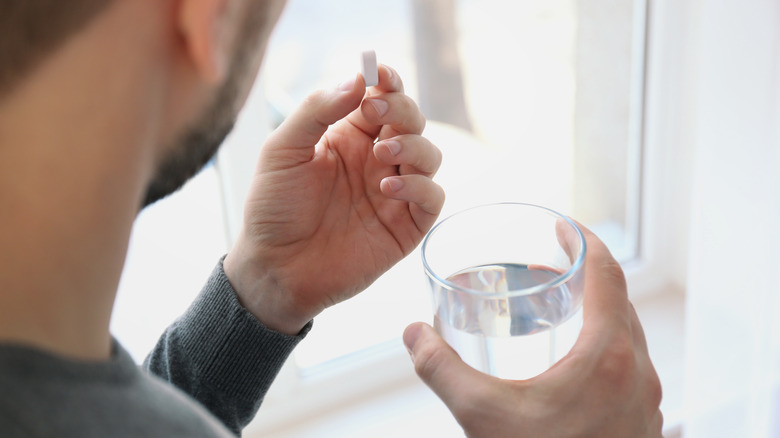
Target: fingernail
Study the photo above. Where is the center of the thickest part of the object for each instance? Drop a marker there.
(393, 146)
(380, 106)
(347, 85)
(395, 184)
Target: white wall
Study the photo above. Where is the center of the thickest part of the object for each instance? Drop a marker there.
(733, 98)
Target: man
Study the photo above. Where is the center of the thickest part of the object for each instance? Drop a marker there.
(109, 105)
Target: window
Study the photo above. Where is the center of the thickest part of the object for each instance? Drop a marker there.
(534, 101)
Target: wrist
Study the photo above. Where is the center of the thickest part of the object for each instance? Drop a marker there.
(262, 294)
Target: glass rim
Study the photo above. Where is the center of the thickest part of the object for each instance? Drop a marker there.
(556, 281)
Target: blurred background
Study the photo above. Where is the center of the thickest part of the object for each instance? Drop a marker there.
(654, 122)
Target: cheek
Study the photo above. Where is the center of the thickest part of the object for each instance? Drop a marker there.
(259, 20)
(243, 74)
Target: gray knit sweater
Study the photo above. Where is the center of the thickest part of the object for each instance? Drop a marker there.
(205, 378)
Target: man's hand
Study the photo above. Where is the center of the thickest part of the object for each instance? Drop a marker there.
(331, 208)
(605, 387)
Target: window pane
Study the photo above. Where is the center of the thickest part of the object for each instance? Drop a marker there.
(531, 101)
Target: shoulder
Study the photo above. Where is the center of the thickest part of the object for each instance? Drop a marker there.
(42, 396)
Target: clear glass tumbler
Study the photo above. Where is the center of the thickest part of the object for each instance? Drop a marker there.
(506, 282)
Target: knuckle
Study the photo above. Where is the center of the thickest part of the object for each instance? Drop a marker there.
(658, 425)
(437, 155)
(428, 359)
(415, 118)
(430, 161)
(315, 98)
(442, 196)
(611, 270)
(654, 390)
(313, 103)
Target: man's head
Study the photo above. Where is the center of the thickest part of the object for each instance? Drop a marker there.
(30, 30)
(221, 40)
(197, 143)
(102, 102)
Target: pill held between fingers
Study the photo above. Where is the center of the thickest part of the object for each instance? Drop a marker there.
(369, 68)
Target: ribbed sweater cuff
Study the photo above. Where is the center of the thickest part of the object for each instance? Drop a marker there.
(238, 353)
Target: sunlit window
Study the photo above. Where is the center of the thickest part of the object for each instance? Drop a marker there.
(532, 101)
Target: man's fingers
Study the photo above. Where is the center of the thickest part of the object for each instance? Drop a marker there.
(293, 142)
(568, 238)
(425, 197)
(413, 153)
(387, 111)
(605, 299)
(440, 367)
(637, 331)
(389, 80)
(396, 110)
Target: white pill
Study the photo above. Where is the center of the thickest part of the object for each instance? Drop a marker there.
(369, 70)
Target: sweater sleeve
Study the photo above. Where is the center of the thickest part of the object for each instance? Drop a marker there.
(221, 355)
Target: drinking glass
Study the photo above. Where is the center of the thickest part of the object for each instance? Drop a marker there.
(506, 285)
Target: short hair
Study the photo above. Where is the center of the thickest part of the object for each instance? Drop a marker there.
(32, 29)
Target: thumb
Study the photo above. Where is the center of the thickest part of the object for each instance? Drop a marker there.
(440, 367)
(293, 142)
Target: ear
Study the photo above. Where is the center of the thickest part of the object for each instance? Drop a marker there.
(202, 25)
